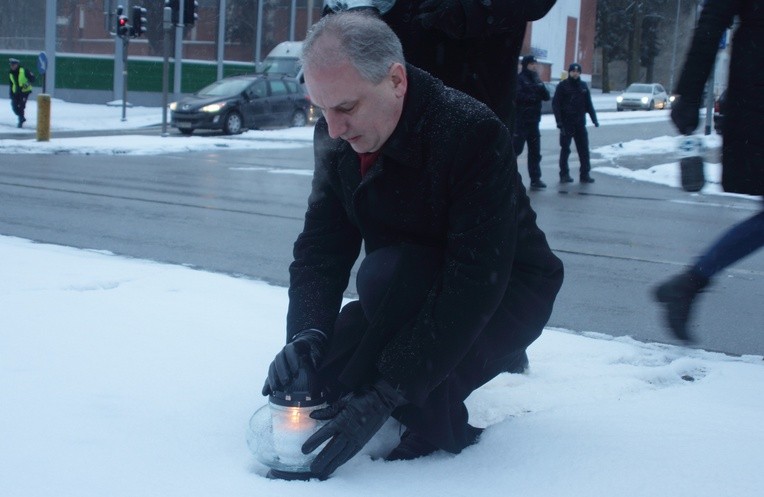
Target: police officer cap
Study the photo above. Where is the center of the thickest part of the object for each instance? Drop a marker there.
(528, 59)
(13, 61)
(574, 67)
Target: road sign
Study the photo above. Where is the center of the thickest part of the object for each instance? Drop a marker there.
(42, 63)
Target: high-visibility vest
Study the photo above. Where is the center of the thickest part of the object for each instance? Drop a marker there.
(22, 82)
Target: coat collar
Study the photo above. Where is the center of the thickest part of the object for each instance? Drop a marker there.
(404, 143)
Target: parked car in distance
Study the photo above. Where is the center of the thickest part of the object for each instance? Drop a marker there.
(243, 102)
(643, 96)
(719, 111)
(546, 105)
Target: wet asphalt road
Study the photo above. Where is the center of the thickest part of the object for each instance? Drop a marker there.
(239, 213)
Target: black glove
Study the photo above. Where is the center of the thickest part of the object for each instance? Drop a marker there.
(562, 130)
(306, 347)
(596, 124)
(445, 15)
(355, 418)
(684, 113)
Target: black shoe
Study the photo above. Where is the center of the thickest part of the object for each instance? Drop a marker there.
(678, 294)
(586, 179)
(20, 123)
(519, 364)
(411, 447)
(565, 178)
(537, 185)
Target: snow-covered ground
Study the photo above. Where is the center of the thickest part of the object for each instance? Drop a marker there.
(124, 377)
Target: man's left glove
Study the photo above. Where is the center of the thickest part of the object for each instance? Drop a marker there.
(596, 124)
(684, 114)
(305, 350)
(445, 15)
(355, 418)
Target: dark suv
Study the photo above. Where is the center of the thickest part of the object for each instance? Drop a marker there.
(241, 102)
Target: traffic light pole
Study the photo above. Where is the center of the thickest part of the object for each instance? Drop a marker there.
(125, 41)
(178, 50)
(167, 29)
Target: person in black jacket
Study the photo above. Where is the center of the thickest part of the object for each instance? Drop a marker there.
(572, 101)
(457, 278)
(531, 91)
(471, 45)
(742, 147)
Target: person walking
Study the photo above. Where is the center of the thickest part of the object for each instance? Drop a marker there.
(572, 101)
(531, 91)
(20, 81)
(457, 278)
(742, 144)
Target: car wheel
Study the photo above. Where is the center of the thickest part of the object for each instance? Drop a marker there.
(619, 108)
(232, 124)
(186, 131)
(299, 119)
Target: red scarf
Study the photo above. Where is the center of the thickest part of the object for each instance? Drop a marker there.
(367, 160)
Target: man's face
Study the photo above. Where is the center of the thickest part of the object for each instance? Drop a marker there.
(575, 74)
(356, 110)
(532, 66)
(14, 66)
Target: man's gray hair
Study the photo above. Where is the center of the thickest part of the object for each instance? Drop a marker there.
(361, 37)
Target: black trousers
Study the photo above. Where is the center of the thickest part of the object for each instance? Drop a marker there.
(529, 133)
(393, 284)
(581, 137)
(19, 103)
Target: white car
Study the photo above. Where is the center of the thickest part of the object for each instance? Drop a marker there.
(643, 96)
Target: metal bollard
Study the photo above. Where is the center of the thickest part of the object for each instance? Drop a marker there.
(43, 117)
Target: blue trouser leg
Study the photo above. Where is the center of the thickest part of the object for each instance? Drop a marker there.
(739, 241)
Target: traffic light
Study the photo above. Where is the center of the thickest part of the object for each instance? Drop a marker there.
(189, 12)
(175, 6)
(123, 27)
(139, 21)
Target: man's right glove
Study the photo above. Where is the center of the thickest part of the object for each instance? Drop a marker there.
(306, 347)
(355, 418)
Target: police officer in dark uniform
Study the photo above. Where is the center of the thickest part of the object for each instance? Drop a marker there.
(572, 101)
(531, 91)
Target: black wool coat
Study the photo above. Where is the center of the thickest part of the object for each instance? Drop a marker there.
(571, 102)
(480, 61)
(743, 139)
(446, 178)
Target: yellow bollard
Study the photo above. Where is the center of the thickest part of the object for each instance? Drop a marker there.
(43, 117)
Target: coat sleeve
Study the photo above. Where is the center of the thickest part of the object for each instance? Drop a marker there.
(325, 250)
(497, 16)
(717, 15)
(480, 249)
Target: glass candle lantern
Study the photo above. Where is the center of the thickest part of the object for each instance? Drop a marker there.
(277, 431)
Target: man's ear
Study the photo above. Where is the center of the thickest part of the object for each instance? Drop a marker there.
(399, 79)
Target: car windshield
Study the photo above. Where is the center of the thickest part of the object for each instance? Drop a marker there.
(225, 87)
(639, 89)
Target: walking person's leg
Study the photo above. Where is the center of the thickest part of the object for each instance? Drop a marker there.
(679, 292)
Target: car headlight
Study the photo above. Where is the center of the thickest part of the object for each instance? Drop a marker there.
(671, 98)
(644, 100)
(173, 106)
(619, 99)
(212, 108)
